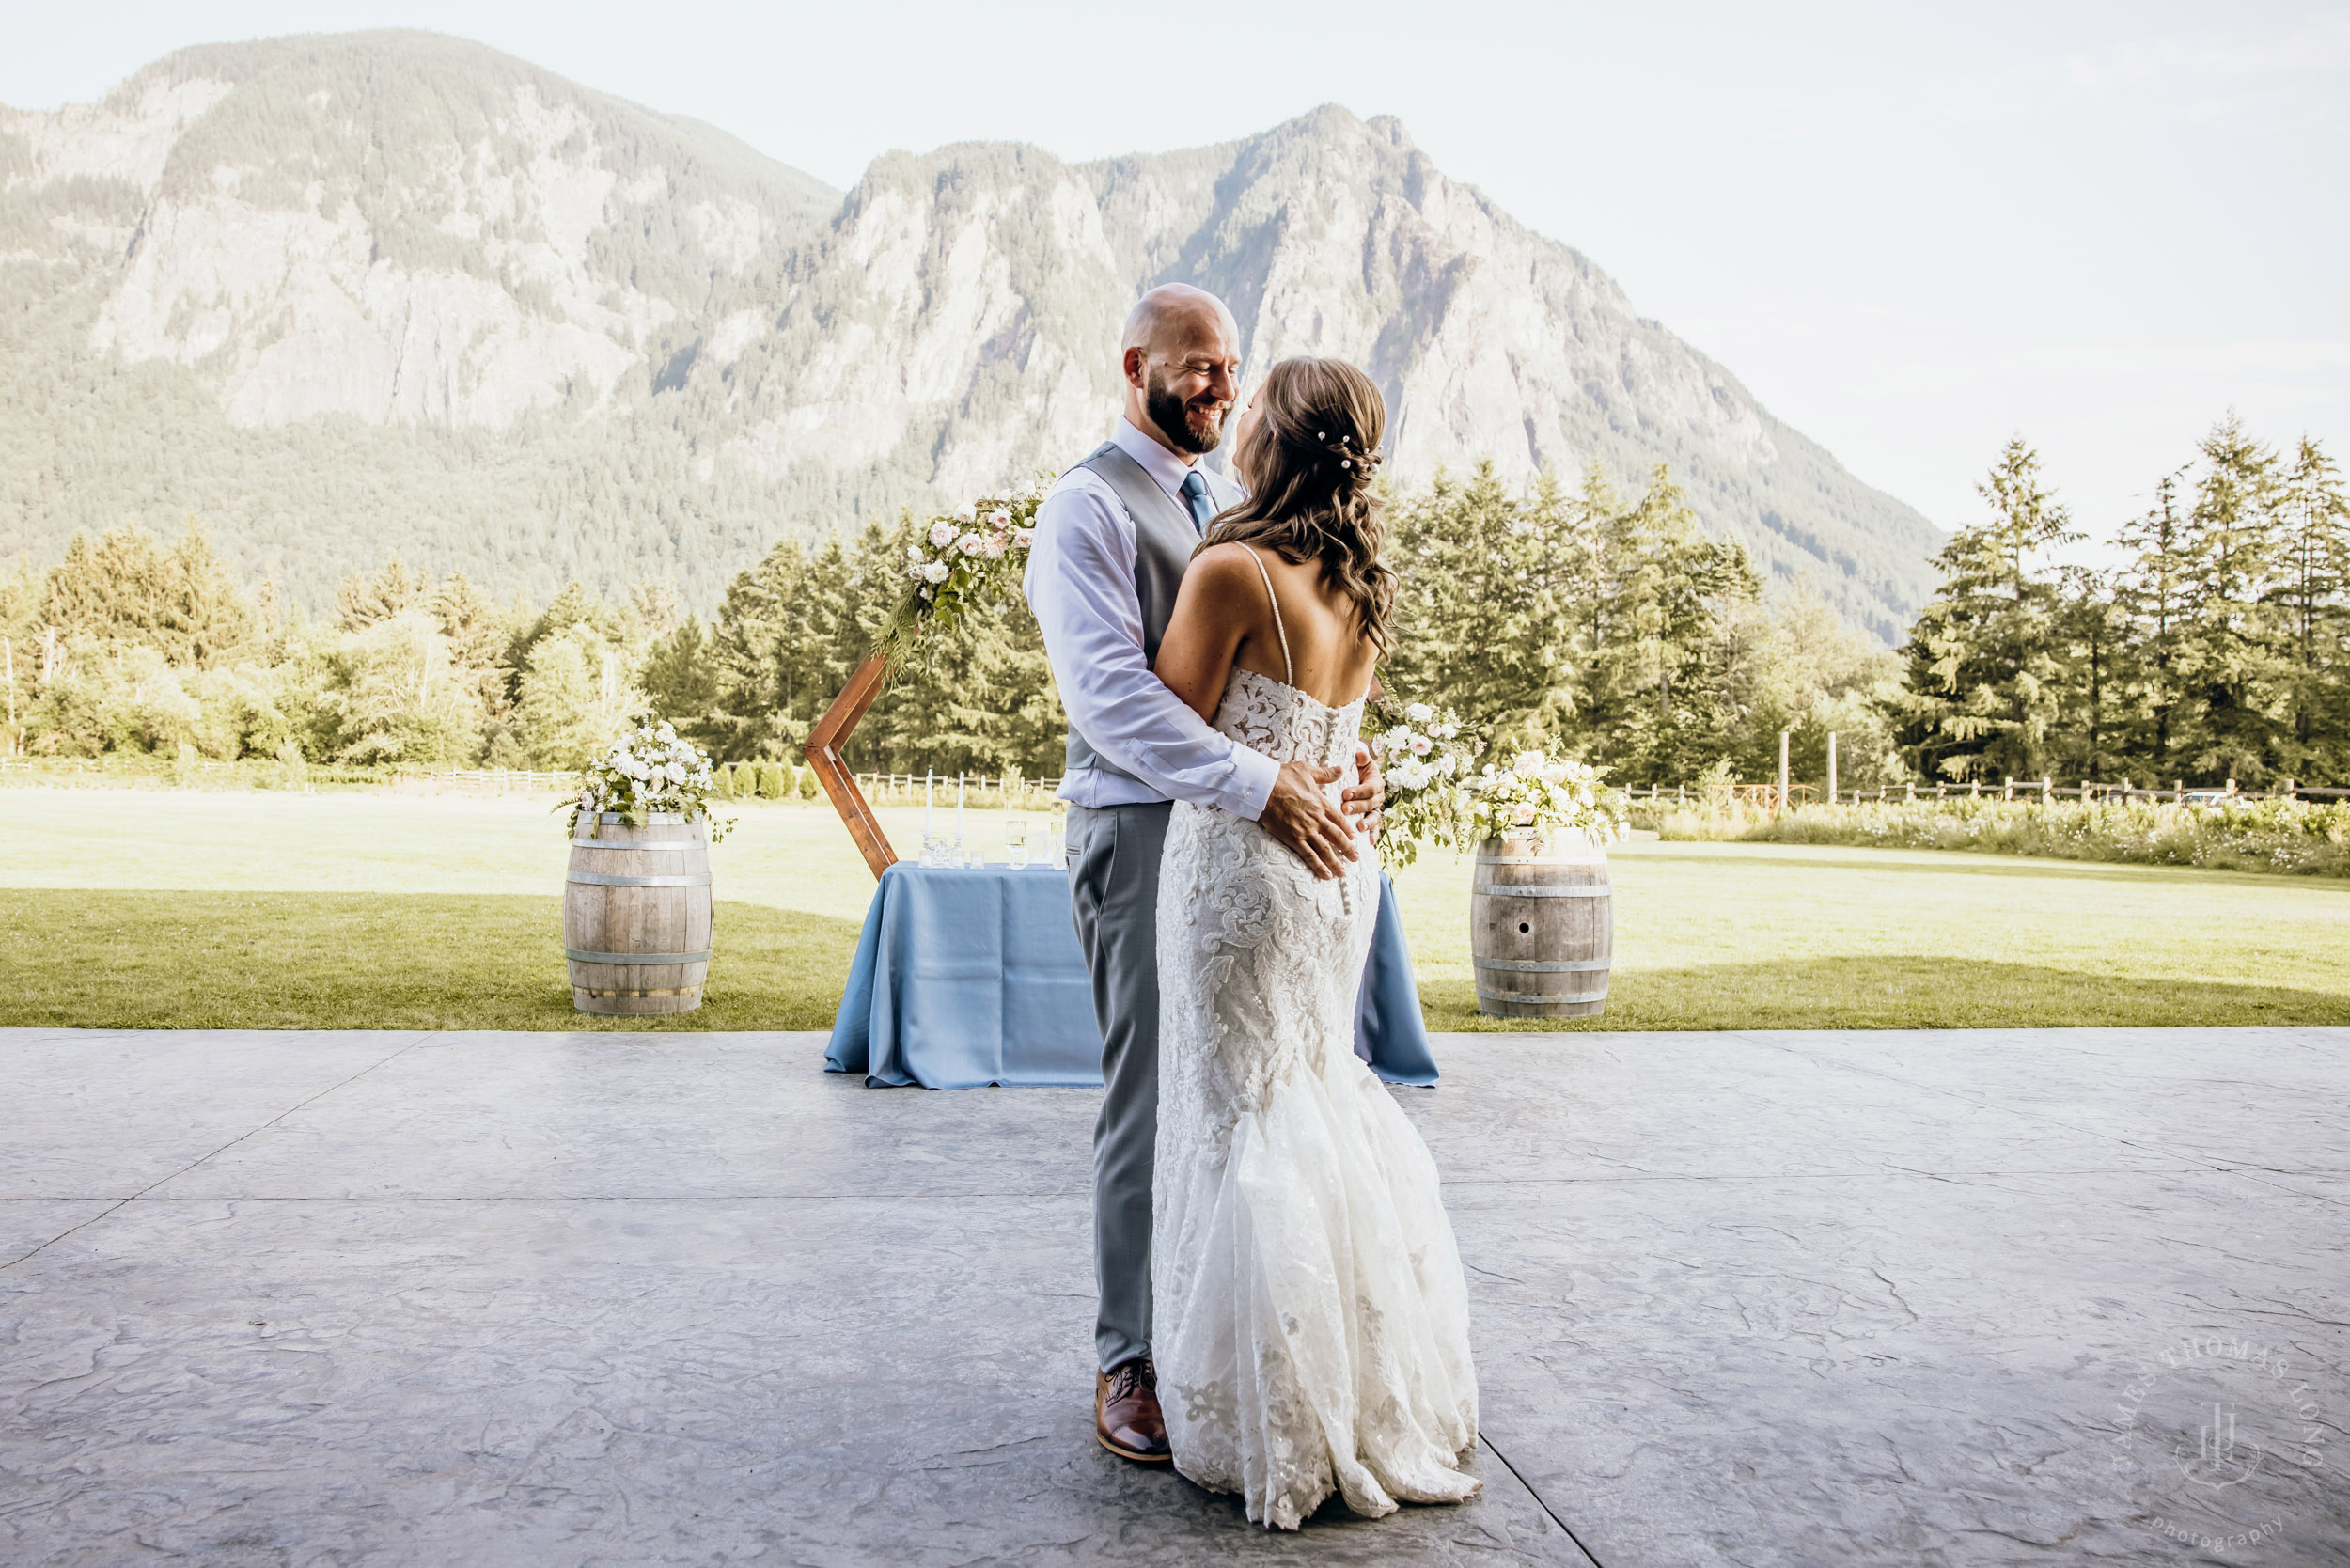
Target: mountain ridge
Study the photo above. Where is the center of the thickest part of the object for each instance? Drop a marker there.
(350, 293)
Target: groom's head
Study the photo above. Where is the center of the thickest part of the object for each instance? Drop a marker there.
(1181, 363)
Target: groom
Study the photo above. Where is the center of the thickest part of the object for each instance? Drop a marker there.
(1112, 542)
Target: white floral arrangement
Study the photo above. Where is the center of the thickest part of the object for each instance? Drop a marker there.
(1424, 761)
(646, 771)
(959, 562)
(1539, 796)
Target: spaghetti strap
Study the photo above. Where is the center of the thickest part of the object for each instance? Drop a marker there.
(1288, 673)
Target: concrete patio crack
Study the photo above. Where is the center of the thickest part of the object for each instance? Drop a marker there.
(1486, 1438)
(214, 1154)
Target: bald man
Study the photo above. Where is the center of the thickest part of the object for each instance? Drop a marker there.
(1113, 541)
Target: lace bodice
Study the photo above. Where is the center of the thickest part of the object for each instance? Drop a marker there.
(1285, 724)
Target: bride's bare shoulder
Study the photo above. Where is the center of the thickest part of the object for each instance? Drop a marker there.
(1223, 568)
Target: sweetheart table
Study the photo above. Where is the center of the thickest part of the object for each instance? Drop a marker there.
(966, 978)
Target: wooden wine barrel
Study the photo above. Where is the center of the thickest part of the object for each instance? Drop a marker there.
(1542, 928)
(636, 915)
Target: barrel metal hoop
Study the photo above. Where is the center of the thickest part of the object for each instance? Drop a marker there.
(1546, 999)
(1530, 893)
(598, 879)
(578, 956)
(636, 844)
(677, 991)
(1537, 966)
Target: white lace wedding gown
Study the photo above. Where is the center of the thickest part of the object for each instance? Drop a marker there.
(1309, 1319)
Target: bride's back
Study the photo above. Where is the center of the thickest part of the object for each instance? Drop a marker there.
(1310, 636)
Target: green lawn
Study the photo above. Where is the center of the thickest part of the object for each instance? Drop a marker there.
(376, 910)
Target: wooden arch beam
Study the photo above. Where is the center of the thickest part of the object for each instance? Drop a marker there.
(823, 750)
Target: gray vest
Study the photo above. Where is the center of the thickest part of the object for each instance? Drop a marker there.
(1165, 537)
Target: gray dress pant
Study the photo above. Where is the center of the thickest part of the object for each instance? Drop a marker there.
(1114, 898)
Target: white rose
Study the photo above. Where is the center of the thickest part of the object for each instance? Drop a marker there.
(676, 772)
(996, 547)
(1023, 538)
(914, 553)
(965, 512)
(941, 533)
(999, 518)
(970, 545)
(1421, 744)
(1419, 712)
(1528, 765)
(934, 572)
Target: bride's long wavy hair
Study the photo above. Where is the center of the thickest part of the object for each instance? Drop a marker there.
(1310, 459)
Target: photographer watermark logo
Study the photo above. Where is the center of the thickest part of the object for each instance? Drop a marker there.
(2223, 1429)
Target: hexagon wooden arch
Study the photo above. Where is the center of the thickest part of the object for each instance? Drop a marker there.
(823, 750)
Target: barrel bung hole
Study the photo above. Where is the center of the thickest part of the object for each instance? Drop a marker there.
(1524, 928)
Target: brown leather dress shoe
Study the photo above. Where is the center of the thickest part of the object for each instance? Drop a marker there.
(1126, 1416)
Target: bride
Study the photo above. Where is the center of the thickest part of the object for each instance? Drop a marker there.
(1311, 1320)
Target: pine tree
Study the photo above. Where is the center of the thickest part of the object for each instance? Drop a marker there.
(2156, 600)
(2233, 654)
(361, 601)
(1982, 679)
(2096, 708)
(2311, 581)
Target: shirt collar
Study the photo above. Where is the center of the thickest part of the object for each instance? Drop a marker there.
(1156, 461)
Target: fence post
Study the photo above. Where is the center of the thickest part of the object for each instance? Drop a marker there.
(2047, 789)
(1831, 767)
(1782, 770)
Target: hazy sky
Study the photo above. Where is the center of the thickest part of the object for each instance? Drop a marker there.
(1911, 230)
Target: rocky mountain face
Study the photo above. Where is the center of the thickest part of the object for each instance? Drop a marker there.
(340, 296)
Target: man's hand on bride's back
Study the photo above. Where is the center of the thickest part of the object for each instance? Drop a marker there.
(1298, 814)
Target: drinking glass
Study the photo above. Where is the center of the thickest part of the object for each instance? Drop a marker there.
(1016, 840)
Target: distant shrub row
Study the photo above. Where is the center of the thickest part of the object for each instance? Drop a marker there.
(2261, 836)
(768, 781)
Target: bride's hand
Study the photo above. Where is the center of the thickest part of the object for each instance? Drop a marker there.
(1299, 815)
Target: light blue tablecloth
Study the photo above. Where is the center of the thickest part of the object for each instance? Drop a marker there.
(966, 978)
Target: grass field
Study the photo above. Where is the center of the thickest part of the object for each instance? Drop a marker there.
(373, 909)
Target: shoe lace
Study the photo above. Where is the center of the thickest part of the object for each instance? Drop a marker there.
(1131, 1375)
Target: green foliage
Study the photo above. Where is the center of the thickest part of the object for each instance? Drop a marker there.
(2290, 835)
(2218, 649)
(1983, 672)
(1588, 624)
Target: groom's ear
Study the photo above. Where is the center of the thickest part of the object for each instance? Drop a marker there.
(1133, 362)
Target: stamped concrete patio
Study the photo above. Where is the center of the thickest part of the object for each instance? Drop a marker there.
(1750, 1298)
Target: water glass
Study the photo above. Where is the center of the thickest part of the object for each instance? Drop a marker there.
(1016, 840)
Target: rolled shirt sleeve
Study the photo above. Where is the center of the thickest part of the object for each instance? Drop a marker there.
(1080, 581)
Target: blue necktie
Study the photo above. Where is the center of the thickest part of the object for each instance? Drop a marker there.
(1196, 495)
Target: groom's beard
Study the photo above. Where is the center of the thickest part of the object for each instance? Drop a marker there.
(1192, 427)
